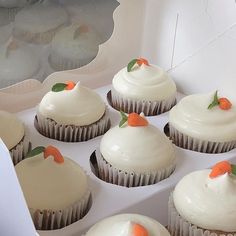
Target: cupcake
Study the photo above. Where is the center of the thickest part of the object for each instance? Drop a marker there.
(135, 153)
(55, 188)
(10, 7)
(204, 203)
(18, 63)
(14, 135)
(204, 123)
(128, 225)
(73, 47)
(141, 87)
(72, 113)
(38, 23)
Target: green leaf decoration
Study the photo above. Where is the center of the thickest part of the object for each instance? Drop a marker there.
(124, 119)
(215, 101)
(35, 151)
(233, 169)
(131, 65)
(59, 87)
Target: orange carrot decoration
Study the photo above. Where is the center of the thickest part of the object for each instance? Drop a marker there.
(48, 151)
(52, 151)
(133, 120)
(139, 230)
(220, 169)
(223, 103)
(70, 85)
(139, 61)
(63, 86)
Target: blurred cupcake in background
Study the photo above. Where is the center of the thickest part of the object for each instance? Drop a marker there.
(17, 63)
(39, 22)
(10, 7)
(73, 47)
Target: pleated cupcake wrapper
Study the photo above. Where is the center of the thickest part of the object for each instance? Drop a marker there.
(149, 108)
(51, 220)
(194, 144)
(178, 226)
(71, 133)
(58, 63)
(19, 152)
(36, 38)
(110, 174)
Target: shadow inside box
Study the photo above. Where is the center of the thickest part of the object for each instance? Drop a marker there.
(155, 206)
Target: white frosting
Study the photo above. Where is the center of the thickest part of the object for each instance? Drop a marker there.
(79, 106)
(138, 149)
(11, 129)
(207, 203)
(121, 225)
(73, 44)
(145, 82)
(41, 17)
(17, 64)
(47, 184)
(12, 3)
(191, 116)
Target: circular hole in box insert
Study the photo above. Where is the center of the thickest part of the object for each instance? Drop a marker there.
(208, 147)
(111, 175)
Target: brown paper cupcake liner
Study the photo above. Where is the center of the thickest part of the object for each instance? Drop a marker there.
(149, 108)
(110, 174)
(19, 152)
(58, 63)
(35, 38)
(72, 133)
(187, 142)
(51, 220)
(178, 226)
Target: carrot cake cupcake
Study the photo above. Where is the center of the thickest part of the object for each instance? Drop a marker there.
(55, 188)
(204, 123)
(39, 22)
(73, 47)
(135, 153)
(142, 87)
(204, 203)
(72, 113)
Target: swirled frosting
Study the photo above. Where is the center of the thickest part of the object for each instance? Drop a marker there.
(49, 185)
(145, 82)
(18, 63)
(191, 116)
(138, 149)
(207, 203)
(11, 129)
(41, 17)
(79, 106)
(72, 43)
(121, 225)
